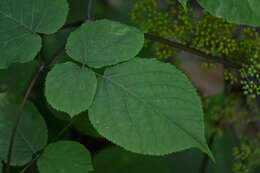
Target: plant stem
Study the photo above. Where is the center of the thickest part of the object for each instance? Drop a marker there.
(27, 94)
(207, 57)
(89, 10)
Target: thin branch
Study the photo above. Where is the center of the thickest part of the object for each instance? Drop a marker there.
(207, 57)
(31, 163)
(89, 10)
(65, 129)
(28, 92)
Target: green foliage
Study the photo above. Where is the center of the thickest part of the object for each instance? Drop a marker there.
(92, 85)
(78, 88)
(83, 125)
(27, 141)
(126, 162)
(112, 44)
(17, 77)
(146, 102)
(21, 20)
(238, 12)
(65, 157)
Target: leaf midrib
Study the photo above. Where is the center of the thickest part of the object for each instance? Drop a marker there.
(18, 22)
(143, 101)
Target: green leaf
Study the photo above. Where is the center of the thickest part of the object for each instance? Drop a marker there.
(148, 107)
(127, 162)
(65, 157)
(183, 3)
(104, 42)
(16, 78)
(70, 88)
(21, 20)
(234, 11)
(31, 135)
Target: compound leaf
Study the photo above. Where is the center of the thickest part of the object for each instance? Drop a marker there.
(21, 20)
(31, 133)
(148, 107)
(70, 88)
(234, 11)
(104, 42)
(65, 157)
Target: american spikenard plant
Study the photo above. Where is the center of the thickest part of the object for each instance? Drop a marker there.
(143, 105)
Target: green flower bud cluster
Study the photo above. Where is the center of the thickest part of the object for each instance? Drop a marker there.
(203, 32)
(247, 155)
(213, 36)
(250, 72)
(151, 18)
(230, 77)
(220, 107)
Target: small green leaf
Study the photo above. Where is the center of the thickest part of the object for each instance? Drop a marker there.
(65, 157)
(31, 135)
(183, 3)
(104, 42)
(127, 162)
(70, 88)
(20, 22)
(234, 11)
(148, 107)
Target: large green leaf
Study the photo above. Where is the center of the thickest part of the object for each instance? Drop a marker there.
(70, 88)
(234, 11)
(16, 78)
(21, 20)
(127, 162)
(104, 42)
(148, 107)
(31, 133)
(65, 157)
